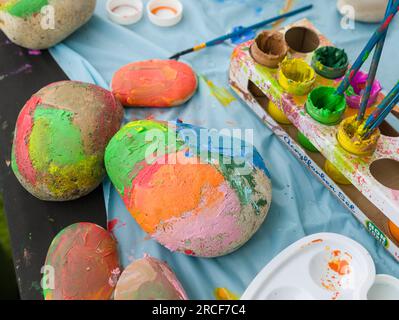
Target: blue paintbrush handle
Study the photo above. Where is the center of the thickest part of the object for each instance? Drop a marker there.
(383, 115)
(257, 25)
(373, 69)
(387, 100)
(377, 35)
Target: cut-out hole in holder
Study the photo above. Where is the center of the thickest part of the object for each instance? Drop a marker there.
(258, 94)
(301, 39)
(386, 172)
(387, 130)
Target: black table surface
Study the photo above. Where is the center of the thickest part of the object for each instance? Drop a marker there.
(32, 223)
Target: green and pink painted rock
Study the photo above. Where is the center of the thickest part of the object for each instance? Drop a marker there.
(154, 83)
(149, 279)
(40, 24)
(194, 197)
(60, 138)
(82, 264)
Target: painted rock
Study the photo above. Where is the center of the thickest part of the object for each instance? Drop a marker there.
(41, 24)
(194, 197)
(154, 83)
(149, 279)
(81, 264)
(60, 138)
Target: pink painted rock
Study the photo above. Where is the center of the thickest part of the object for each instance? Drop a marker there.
(154, 83)
(201, 206)
(82, 264)
(60, 139)
(149, 279)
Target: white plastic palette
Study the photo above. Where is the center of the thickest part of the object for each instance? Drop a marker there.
(323, 266)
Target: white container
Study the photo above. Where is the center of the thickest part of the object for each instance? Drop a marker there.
(165, 13)
(125, 12)
(365, 10)
(323, 266)
(385, 287)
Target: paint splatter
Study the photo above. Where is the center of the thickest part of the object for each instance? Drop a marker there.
(287, 7)
(115, 224)
(26, 68)
(225, 294)
(223, 95)
(34, 52)
(336, 276)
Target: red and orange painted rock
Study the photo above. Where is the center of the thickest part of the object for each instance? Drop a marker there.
(149, 279)
(60, 139)
(81, 264)
(154, 83)
(190, 203)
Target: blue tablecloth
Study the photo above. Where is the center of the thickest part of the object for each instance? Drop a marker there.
(301, 204)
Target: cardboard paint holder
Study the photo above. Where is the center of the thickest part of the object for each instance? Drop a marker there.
(373, 193)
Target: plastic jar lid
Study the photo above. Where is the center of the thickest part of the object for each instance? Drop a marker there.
(125, 12)
(165, 13)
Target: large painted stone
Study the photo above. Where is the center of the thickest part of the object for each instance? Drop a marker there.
(154, 83)
(60, 139)
(190, 194)
(149, 279)
(81, 264)
(40, 24)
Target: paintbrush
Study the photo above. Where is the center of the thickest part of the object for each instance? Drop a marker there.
(373, 69)
(384, 103)
(377, 35)
(221, 39)
(377, 122)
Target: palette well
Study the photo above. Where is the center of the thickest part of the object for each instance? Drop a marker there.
(322, 266)
(371, 197)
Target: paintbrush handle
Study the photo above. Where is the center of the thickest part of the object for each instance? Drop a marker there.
(257, 25)
(221, 39)
(382, 116)
(377, 35)
(387, 100)
(373, 69)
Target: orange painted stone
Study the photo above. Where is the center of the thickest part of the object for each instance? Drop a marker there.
(154, 83)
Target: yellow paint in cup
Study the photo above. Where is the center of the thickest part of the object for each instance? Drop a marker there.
(350, 138)
(296, 76)
(335, 174)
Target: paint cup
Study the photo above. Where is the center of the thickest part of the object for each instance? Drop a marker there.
(325, 106)
(355, 91)
(302, 40)
(350, 138)
(296, 76)
(277, 114)
(335, 174)
(124, 12)
(330, 62)
(269, 49)
(165, 13)
(304, 142)
(394, 230)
